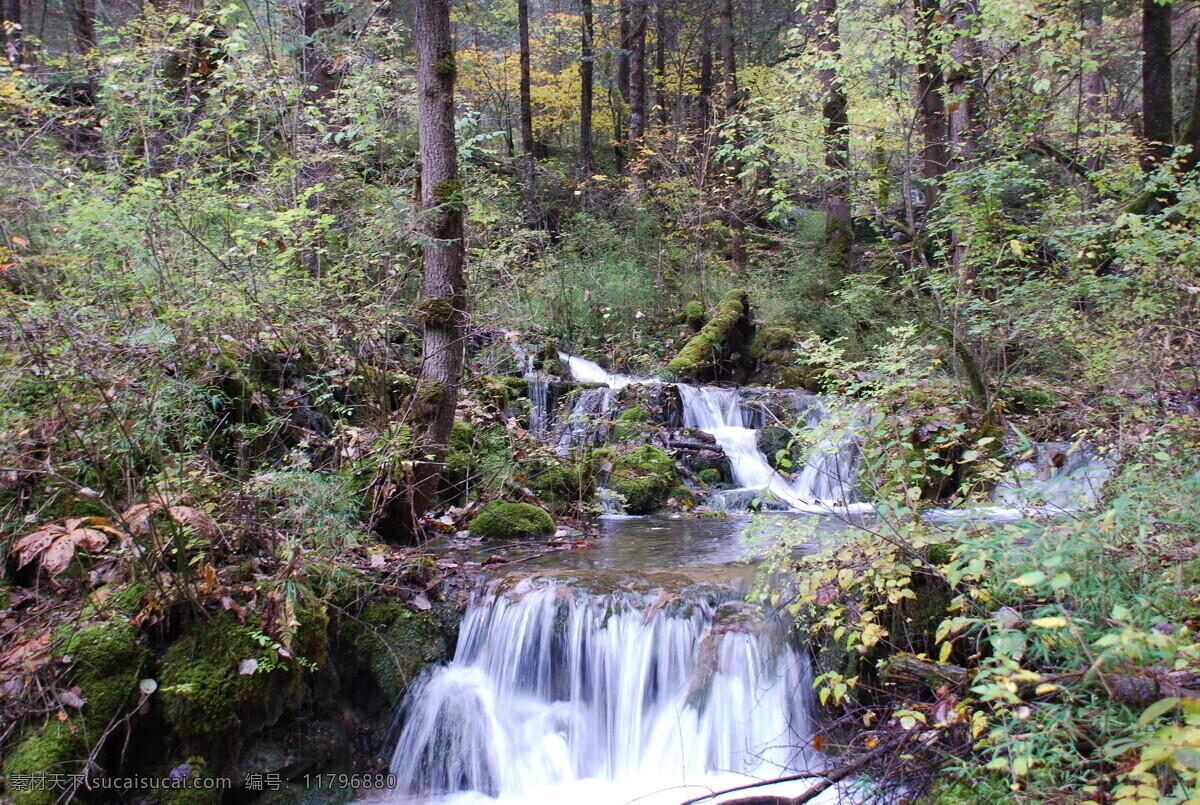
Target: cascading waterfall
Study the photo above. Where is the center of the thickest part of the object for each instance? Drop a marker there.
(556, 695)
(824, 483)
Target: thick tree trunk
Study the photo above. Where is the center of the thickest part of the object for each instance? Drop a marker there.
(1158, 116)
(587, 162)
(931, 105)
(837, 135)
(704, 110)
(622, 66)
(528, 179)
(1191, 132)
(83, 20)
(443, 305)
(733, 166)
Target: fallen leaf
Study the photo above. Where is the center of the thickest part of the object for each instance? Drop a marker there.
(421, 602)
(72, 699)
(247, 667)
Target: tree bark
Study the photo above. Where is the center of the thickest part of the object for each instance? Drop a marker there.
(837, 135)
(963, 98)
(733, 166)
(587, 162)
(1093, 81)
(11, 29)
(637, 75)
(622, 65)
(443, 305)
(320, 82)
(660, 65)
(528, 178)
(1191, 132)
(83, 20)
(1158, 116)
(931, 105)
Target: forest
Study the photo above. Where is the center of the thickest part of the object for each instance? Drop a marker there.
(448, 402)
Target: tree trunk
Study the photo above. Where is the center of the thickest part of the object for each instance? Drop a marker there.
(11, 30)
(587, 162)
(528, 179)
(837, 136)
(443, 305)
(660, 65)
(1158, 116)
(931, 105)
(1093, 82)
(83, 20)
(961, 105)
(733, 166)
(622, 65)
(1191, 132)
(637, 75)
(320, 82)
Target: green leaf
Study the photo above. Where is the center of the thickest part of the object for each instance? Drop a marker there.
(1159, 708)
(1030, 579)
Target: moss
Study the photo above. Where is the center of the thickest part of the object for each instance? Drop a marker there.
(57, 747)
(107, 659)
(695, 315)
(449, 191)
(445, 66)
(561, 482)
(644, 477)
(477, 458)
(503, 520)
(433, 310)
(632, 424)
(188, 795)
(779, 447)
(429, 391)
(201, 689)
(704, 347)
(1034, 400)
(682, 495)
(709, 476)
(398, 643)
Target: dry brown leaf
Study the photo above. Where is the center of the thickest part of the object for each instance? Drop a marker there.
(89, 539)
(193, 517)
(33, 544)
(57, 557)
(137, 517)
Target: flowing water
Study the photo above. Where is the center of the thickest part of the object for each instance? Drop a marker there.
(632, 671)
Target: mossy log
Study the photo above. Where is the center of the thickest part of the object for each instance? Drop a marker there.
(717, 349)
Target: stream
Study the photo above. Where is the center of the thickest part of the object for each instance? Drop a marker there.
(633, 671)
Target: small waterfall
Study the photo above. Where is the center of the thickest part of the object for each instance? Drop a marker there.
(826, 481)
(586, 371)
(551, 688)
(539, 404)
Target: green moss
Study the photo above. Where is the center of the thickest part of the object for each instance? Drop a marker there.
(644, 477)
(433, 310)
(632, 424)
(683, 495)
(201, 689)
(695, 315)
(1034, 400)
(704, 347)
(57, 747)
(561, 482)
(189, 795)
(398, 643)
(445, 66)
(503, 520)
(107, 659)
(449, 191)
(478, 458)
(709, 476)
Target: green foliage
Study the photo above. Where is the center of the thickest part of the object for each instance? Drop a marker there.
(500, 520)
(706, 345)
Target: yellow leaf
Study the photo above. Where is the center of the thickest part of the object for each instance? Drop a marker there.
(1055, 622)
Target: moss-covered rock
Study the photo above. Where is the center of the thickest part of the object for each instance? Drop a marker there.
(204, 693)
(708, 346)
(502, 520)
(399, 642)
(57, 747)
(634, 423)
(560, 482)
(477, 460)
(644, 477)
(106, 660)
(709, 476)
(683, 496)
(695, 315)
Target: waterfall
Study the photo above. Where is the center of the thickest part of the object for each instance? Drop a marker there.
(824, 483)
(586, 371)
(608, 697)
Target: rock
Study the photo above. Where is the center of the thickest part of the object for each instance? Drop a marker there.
(502, 520)
(644, 477)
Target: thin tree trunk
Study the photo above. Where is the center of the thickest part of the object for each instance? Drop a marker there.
(931, 105)
(320, 82)
(587, 162)
(733, 166)
(443, 305)
(14, 46)
(961, 106)
(637, 74)
(622, 65)
(837, 136)
(1093, 81)
(1158, 116)
(528, 179)
(660, 65)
